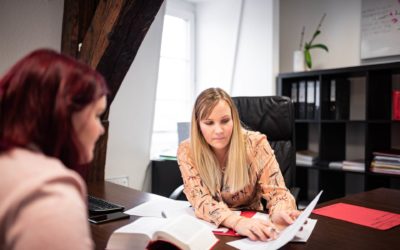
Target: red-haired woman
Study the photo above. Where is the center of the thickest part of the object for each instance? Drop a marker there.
(50, 107)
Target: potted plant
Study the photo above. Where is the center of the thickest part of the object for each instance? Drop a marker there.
(309, 45)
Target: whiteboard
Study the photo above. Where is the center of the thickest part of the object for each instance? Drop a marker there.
(380, 28)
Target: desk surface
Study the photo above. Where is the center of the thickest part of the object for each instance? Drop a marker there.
(328, 233)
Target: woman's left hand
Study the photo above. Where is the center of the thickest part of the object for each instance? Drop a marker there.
(282, 219)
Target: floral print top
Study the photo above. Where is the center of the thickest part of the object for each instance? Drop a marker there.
(266, 181)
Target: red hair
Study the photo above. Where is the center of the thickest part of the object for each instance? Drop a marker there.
(38, 96)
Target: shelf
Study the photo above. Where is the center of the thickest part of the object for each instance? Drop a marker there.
(348, 115)
(343, 121)
(383, 174)
(323, 168)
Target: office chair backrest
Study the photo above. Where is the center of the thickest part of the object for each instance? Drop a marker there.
(274, 117)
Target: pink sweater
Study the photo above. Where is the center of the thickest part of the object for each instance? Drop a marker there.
(42, 204)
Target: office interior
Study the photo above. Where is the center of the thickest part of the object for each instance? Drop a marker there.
(240, 45)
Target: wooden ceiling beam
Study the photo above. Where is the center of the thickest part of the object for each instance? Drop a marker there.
(77, 18)
(109, 45)
(115, 35)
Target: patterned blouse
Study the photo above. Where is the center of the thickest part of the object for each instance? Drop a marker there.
(266, 181)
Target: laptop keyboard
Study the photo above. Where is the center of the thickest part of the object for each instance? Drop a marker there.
(100, 206)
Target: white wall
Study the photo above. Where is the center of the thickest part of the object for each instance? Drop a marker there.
(132, 112)
(217, 24)
(28, 25)
(253, 73)
(234, 46)
(340, 31)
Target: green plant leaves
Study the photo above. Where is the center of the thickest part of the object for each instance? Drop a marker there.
(321, 46)
(307, 58)
(308, 46)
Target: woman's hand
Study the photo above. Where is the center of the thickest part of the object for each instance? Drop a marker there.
(282, 219)
(256, 229)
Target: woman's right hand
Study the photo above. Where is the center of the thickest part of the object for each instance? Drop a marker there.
(256, 229)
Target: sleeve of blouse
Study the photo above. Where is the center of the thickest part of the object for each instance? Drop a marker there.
(271, 180)
(199, 196)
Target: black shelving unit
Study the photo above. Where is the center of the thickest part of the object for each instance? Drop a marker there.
(359, 123)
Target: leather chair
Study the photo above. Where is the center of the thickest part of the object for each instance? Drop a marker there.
(274, 117)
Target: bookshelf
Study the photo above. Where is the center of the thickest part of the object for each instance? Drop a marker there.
(348, 117)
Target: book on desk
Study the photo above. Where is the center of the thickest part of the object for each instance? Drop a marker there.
(184, 232)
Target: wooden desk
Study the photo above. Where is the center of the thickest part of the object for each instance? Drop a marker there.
(328, 233)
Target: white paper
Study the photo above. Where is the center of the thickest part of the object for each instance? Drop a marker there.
(285, 236)
(145, 225)
(303, 235)
(156, 208)
(171, 213)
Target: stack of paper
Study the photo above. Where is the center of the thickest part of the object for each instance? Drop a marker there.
(386, 162)
(306, 157)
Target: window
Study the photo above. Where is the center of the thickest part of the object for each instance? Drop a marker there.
(175, 82)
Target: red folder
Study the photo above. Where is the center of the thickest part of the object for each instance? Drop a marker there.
(396, 105)
(360, 215)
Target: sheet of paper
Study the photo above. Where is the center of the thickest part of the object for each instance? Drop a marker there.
(169, 208)
(303, 235)
(146, 225)
(171, 213)
(156, 208)
(284, 237)
(360, 215)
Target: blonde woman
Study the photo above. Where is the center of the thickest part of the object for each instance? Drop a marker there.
(226, 167)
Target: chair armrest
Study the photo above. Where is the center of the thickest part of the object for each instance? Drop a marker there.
(176, 193)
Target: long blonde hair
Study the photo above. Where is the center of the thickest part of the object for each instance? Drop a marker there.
(236, 175)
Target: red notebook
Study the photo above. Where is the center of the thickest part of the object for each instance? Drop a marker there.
(396, 105)
(377, 219)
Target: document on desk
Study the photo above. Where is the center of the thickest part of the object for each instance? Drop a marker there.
(169, 208)
(158, 208)
(285, 236)
(374, 218)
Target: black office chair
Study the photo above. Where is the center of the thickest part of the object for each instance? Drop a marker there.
(274, 117)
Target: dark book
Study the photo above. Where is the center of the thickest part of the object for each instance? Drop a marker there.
(317, 100)
(310, 100)
(302, 100)
(332, 100)
(342, 99)
(294, 96)
(389, 153)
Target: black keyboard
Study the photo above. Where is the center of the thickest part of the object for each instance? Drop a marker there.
(100, 206)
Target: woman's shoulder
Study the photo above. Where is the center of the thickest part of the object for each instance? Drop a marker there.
(254, 137)
(26, 170)
(46, 190)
